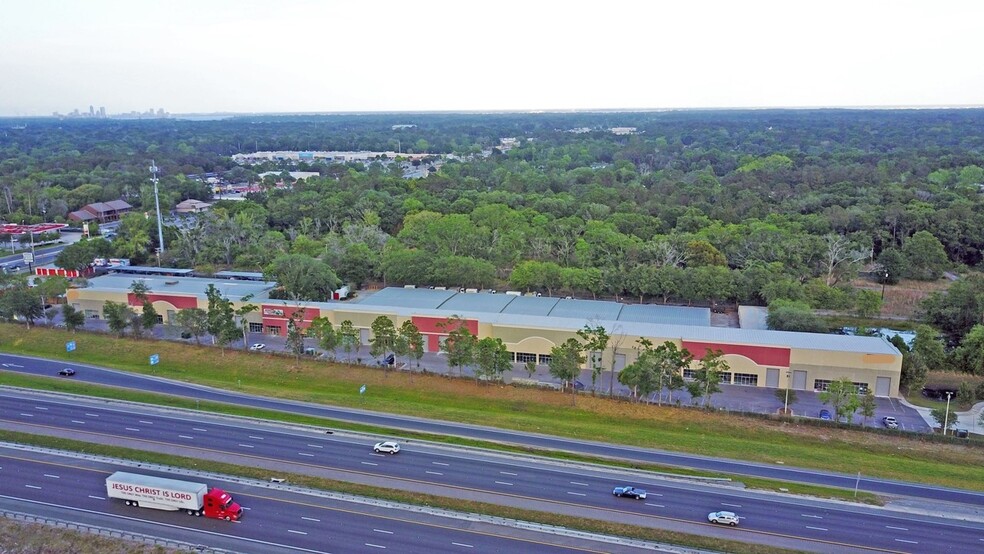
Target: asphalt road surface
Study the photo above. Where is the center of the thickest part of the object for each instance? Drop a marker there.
(275, 521)
(105, 376)
(560, 488)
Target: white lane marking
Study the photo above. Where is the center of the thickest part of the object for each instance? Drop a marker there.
(816, 528)
(655, 505)
(462, 544)
(310, 519)
(246, 445)
(146, 422)
(296, 532)
(52, 476)
(131, 429)
(503, 483)
(811, 515)
(370, 463)
(374, 545)
(96, 497)
(579, 484)
(903, 540)
(440, 464)
(434, 472)
(507, 473)
(77, 421)
(732, 505)
(245, 508)
(185, 437)
(654, 494)
(576, 493)
(315, 446)
(383, 531)
(32, 486)
(92, 415)
(255, 437)
(40, 408)
(901, 528)
(305, 454)
(27, 415)
(197, 429)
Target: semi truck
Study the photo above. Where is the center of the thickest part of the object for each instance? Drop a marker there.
(195, 499)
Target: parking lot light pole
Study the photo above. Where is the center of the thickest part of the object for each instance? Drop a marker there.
(946, 415)
(785, 405)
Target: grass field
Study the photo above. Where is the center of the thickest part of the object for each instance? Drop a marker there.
(550, 412)
(18, 537)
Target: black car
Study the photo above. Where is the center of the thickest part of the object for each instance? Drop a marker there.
(67, 372)
(630, 492)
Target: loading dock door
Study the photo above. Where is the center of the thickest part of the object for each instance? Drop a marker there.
(772, 377)
(799, 380)
(883, 386)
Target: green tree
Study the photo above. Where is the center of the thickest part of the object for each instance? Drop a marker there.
(565, 363)
(74, 319)
(241, 314)
(530, 368)
(302, 277)
(491, 359)
(383, 336)
(19, 300)
(787, 315)
(193, 321)
(867, 405)
(842, 396)
(867, 304)
(324, 332)
(707, 377)
(969, 356)
(788, 397)
(348, 337)
(411, 336)
(925, 256)
(595, 341)
(946, 419)
(221, 318)
(295, 336)
(892, 266)
(118, 316)
(460, 344)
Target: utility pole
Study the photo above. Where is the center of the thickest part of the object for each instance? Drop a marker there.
(157, 204)
(946, 416)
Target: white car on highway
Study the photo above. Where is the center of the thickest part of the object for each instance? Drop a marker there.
(389, 447)
(724, 518)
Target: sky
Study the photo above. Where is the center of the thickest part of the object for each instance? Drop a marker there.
(208, 56)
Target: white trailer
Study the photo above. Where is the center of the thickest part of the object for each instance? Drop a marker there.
(171, 494)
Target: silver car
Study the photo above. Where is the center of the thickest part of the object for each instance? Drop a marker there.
(724, 518)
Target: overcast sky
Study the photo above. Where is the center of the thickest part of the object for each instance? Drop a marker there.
(200, 56)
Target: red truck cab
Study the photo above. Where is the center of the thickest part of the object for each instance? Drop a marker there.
(220, 505)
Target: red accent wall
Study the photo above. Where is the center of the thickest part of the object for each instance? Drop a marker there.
(438, 325)
(179, 302)
(277, 315)
(762, 355)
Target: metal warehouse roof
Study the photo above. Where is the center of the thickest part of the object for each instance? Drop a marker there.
(677, 315)
(151, 270)
(188, 286)
(408, 298)
(248, 275)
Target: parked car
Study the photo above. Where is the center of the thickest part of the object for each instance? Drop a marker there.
(890, 422)
(724, 518)
(389, 447)
(578, 385)
(629, 492)
(825, 415)
(67, 372)
(257, 346)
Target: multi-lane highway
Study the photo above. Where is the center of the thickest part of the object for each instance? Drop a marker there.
(105, 376)
(576, 490)
(276, 521)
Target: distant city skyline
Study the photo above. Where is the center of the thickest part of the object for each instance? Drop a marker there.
(314, 56)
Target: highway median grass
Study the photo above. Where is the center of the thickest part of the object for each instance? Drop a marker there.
(418, 499)
(781, 442)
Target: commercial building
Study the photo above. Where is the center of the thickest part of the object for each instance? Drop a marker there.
(531, 326)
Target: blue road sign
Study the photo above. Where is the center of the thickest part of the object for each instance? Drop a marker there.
(155, 359)
(362, 389)
(70, 346)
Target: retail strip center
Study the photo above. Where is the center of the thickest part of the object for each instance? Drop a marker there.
(530, 326)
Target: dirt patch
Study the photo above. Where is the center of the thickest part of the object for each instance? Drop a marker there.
(17, 537)
(903, 299)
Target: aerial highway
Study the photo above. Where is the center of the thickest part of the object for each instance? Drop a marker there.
(525, 482)
(105, 376)
(275, 521)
